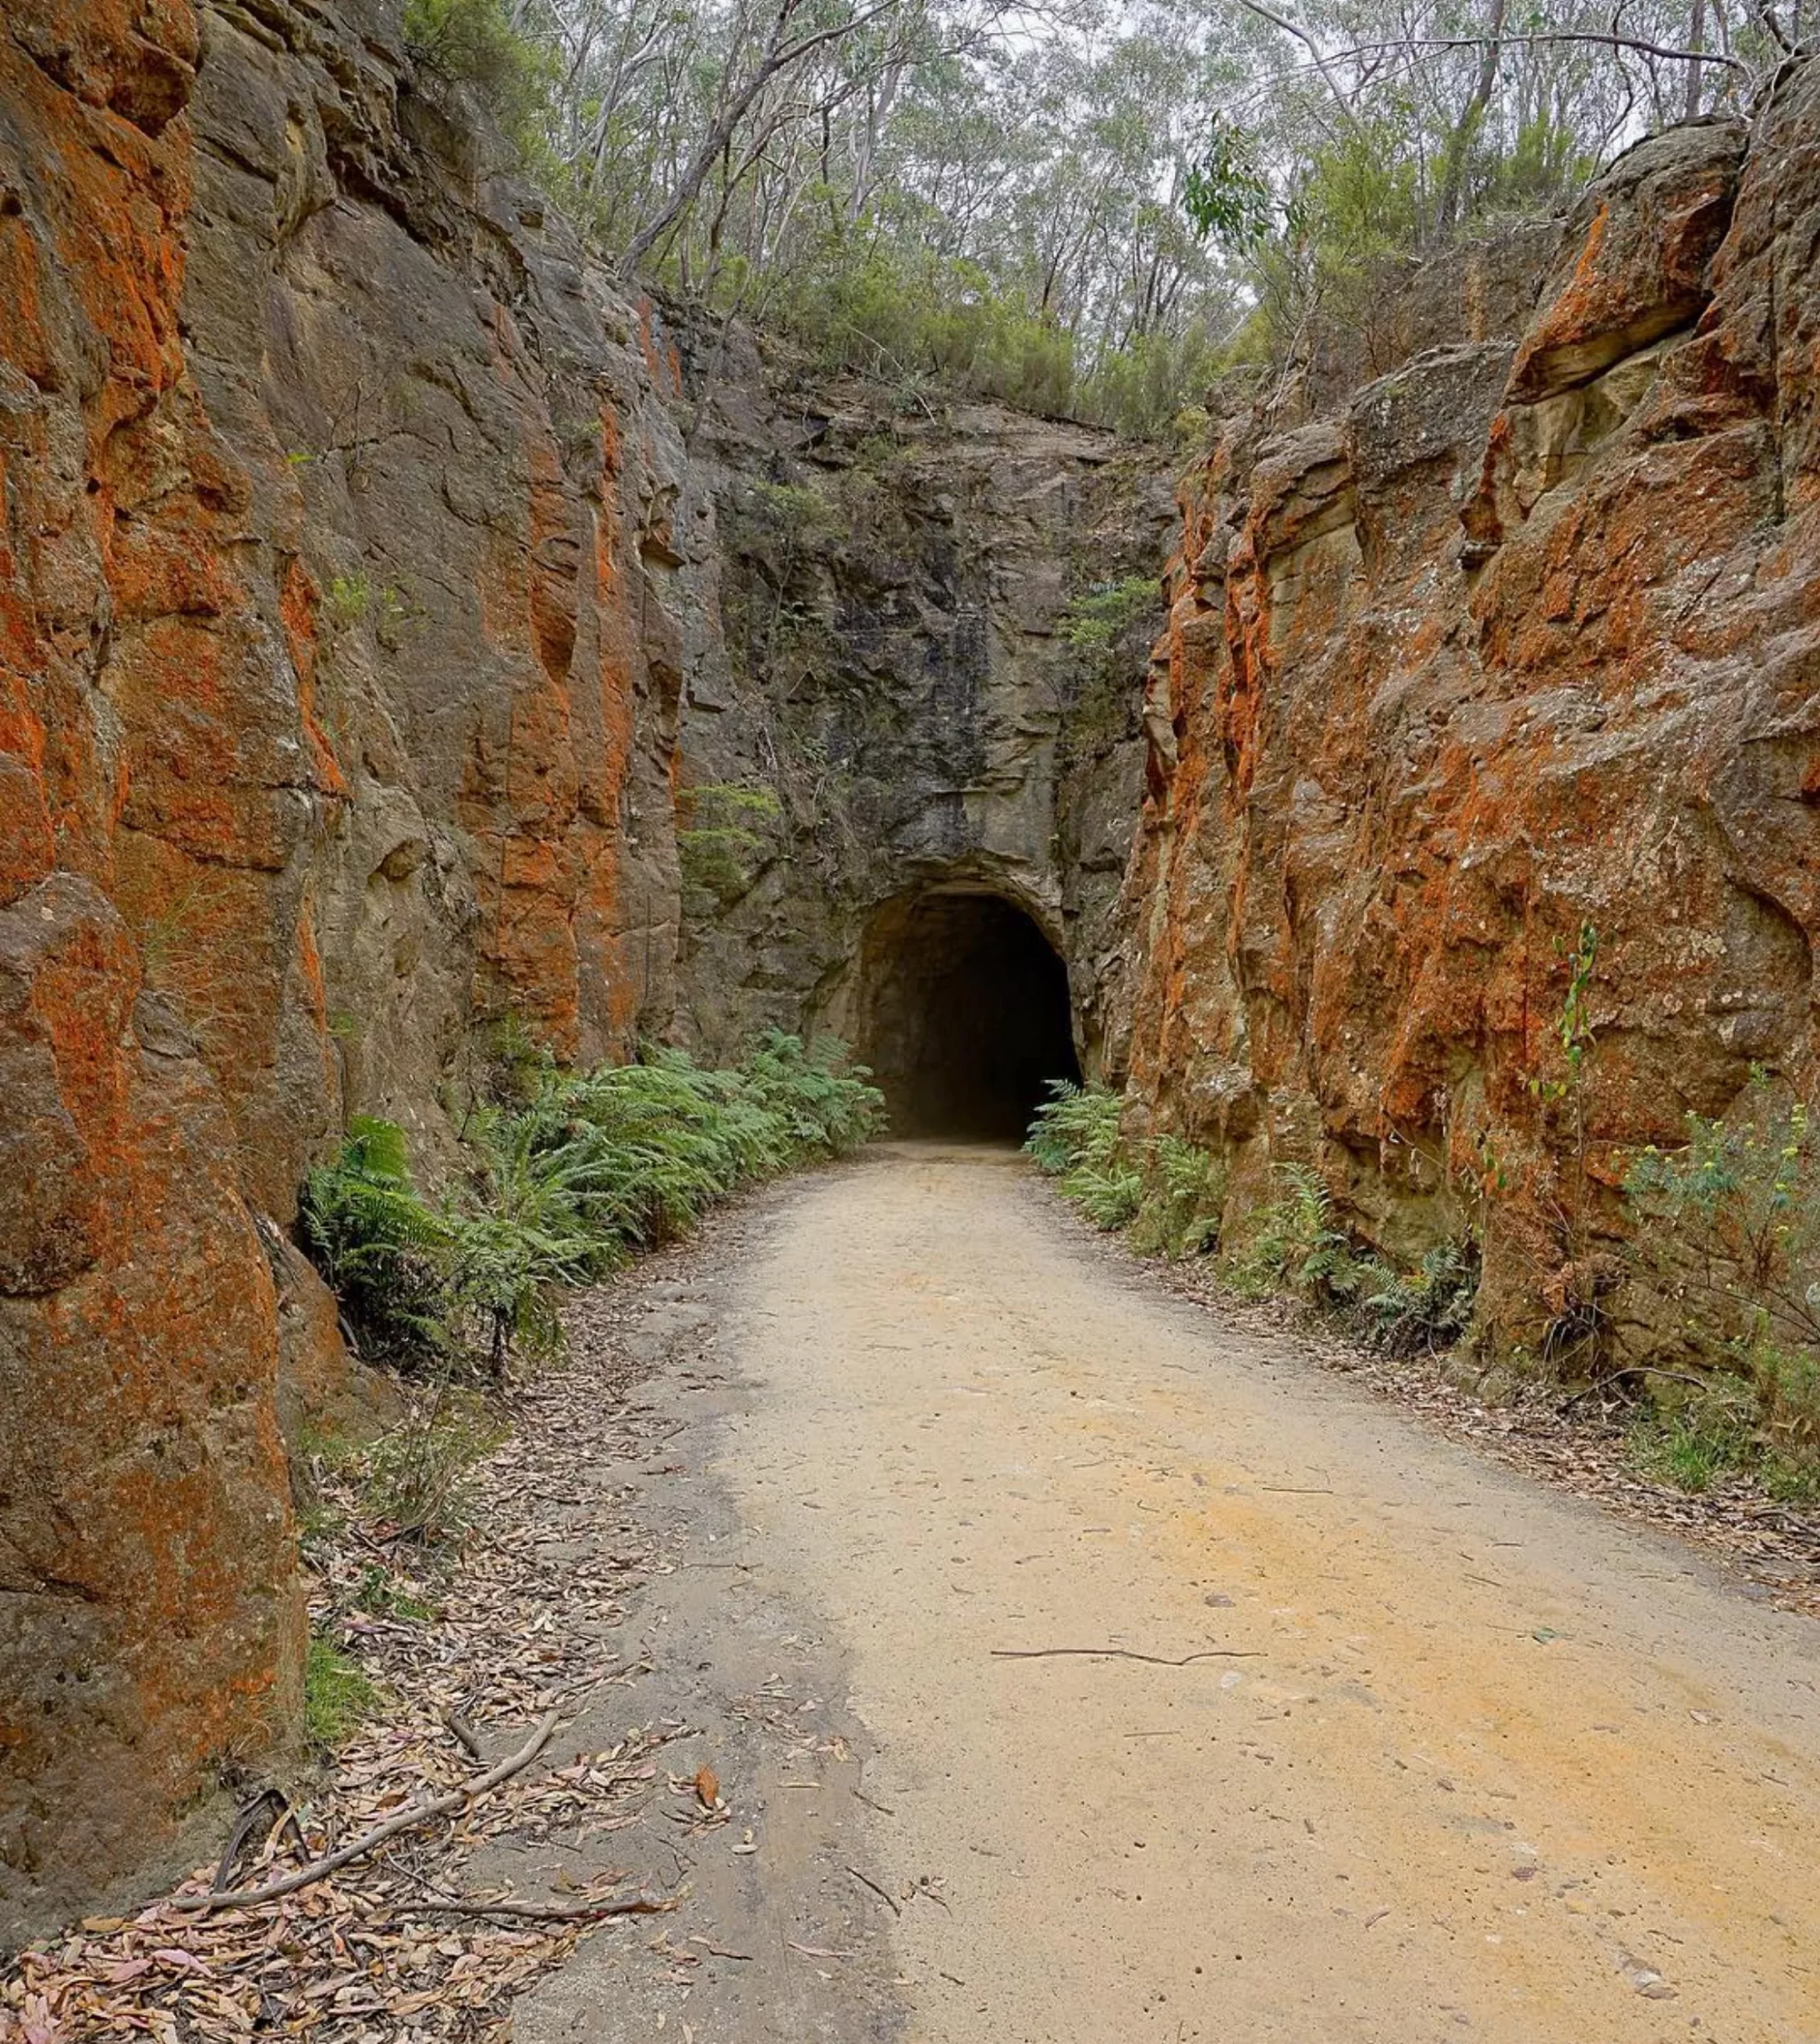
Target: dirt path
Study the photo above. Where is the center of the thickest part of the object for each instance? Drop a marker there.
(1470, 1759)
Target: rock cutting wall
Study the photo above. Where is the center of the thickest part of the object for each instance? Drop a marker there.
(400, 631)
(1525, 638)
(344, 602)
(896, 685)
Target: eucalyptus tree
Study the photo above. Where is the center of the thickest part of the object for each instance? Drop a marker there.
(1076, 200)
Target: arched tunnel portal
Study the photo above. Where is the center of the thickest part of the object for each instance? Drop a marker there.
(963, 1013)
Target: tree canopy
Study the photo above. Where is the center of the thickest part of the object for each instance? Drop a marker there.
(1084, 207)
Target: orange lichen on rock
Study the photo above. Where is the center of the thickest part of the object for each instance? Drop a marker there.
(1498, 655)
(146, 1566)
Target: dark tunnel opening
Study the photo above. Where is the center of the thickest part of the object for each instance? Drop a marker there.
(968, 1019)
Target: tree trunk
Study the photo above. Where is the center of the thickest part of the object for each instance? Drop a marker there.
(1447, 205)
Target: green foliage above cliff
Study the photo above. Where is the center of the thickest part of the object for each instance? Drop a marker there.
(486, 48)
(1083, 209)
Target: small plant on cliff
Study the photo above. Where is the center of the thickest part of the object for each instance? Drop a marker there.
(348, 599)
(1563, 1093)
(1100, 687)
(1726, 1257)
(1093, 620)
(717, 844)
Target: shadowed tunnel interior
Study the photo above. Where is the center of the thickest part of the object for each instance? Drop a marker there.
(965, 1015)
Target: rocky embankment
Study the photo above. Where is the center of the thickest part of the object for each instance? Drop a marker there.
(1512, 662)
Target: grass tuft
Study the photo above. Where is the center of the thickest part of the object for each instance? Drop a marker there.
(337, 1698)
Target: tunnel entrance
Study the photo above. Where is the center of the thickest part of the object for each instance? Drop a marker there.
(965, 1017)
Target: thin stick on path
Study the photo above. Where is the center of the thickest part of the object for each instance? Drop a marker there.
(542, 1912)
(891, 1901)
(1124, 1653)
(250, 1898)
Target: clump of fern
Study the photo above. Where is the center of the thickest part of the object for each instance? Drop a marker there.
(383, 1250)
(1075, 1138)
(1426, 1312)
(561, 1179)
(1295, 1244)
(1166, 1194)
(1184, 1193)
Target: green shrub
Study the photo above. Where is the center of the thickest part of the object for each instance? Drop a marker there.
(382, 1248)
(473, 43)
(717, 844)
(523, 1231)
(1073, 1121)
(419, 1478)
(1168, 1194)
(1707, 1436)
(1075, 1136)
(1427, 1312)
(1094, 619)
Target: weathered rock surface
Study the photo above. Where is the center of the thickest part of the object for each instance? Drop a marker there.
(340, 656)
(1525, 640)
(358, 577)
(896, 684)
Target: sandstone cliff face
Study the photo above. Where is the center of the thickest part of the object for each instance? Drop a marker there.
(342, 629)
(362, 568)
(893, 679)
(140, 1469)
(1524, 640)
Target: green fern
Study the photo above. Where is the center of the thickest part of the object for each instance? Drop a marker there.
(562, 1178)
(1427, 1312)
(1075, 1138)
(1184, 1191)
(381, 1247)
(1076, 1125)
(1296, 1245)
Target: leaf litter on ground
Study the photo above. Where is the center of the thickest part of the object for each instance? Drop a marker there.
(395, 1944)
